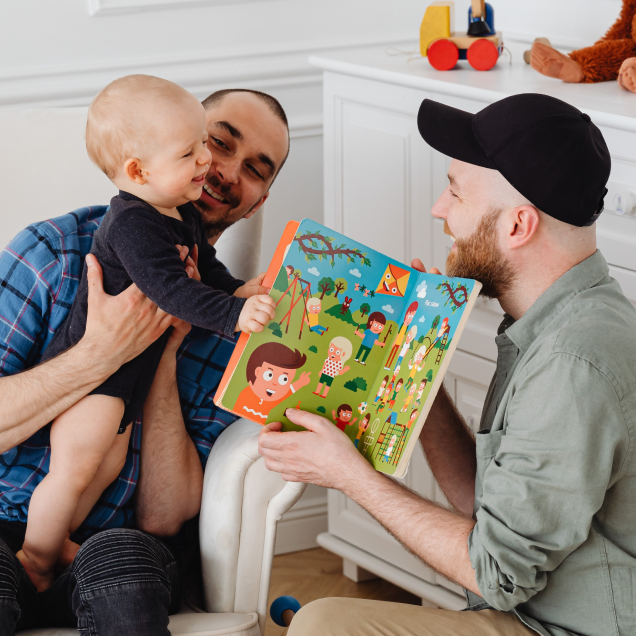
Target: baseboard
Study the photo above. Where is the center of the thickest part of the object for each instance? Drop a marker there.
(298, 528)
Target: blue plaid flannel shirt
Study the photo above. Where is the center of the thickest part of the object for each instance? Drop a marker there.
(39, 275)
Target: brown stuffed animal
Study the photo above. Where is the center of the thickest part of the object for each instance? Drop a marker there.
(612, 57)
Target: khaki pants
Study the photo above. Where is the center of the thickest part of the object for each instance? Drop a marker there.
(361, 617)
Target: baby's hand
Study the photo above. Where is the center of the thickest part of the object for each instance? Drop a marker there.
(256, 313)
(252, 287)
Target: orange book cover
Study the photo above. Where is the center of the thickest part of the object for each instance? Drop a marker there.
(275, 264)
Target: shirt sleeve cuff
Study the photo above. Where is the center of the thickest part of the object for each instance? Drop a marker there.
(232, 319)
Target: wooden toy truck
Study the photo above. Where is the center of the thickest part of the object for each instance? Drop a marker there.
(481, 45)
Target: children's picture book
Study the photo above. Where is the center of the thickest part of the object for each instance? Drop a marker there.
(359, 338)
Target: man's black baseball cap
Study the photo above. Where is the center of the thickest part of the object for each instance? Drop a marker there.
(546, 149)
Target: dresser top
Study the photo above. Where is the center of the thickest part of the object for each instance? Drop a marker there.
(606, 103)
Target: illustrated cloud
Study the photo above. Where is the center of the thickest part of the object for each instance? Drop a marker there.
(422, 319)
(355, 272)
(388, 308)
(421, 290)
(314, 271)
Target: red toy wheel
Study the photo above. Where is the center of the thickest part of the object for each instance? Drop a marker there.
(443, 55)
(482, 55)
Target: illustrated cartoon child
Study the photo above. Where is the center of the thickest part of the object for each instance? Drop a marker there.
(381, 389)
(375, 325)
(270, 373)
(362, 427)
(312, 317)
(399, 338)
(443, 328)
(412, 332)
(415, 365)
(339, 352)
(389, 450)
(412, 419)
(290, 271)
(343, 417)
(420, 391)
(398, 387)
(408, 400)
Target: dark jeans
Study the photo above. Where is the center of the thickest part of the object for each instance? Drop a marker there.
(122, 582)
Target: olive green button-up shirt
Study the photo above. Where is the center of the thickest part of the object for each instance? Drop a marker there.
(555, 496)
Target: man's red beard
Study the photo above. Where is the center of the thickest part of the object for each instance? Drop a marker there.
(479, 257)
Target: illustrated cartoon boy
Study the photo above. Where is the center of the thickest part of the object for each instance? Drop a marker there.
(270, 373)
(362, 427)
(343, 417)
(381, 389)
(375, 325)
(312, 317)
(412, 419)
(397, 343)
(420, 391)
(412, 332)
(340, 350)
(398, 387)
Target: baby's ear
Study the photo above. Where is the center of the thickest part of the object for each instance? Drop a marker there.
(134, 172)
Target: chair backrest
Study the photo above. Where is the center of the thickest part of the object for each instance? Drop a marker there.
(45, 172)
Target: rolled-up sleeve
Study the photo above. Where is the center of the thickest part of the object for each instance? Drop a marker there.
(563, 446)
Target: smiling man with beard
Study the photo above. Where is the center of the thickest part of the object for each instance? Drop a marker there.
(121, 581)
(541, 530)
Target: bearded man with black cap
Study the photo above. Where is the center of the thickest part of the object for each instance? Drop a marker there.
(542, 533)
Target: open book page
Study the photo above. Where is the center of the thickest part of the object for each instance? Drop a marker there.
(337, 313)
(404, 390)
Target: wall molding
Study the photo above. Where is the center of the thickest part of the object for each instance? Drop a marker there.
(267, 68)
(101, 8)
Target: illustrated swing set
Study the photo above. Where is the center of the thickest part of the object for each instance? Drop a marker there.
(303, 289)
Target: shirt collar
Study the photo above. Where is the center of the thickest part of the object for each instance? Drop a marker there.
(527, 329)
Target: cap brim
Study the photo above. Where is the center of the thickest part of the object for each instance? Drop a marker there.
(450, 131)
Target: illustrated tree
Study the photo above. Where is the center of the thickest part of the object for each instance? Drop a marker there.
(429, 376)
(365, 308)
(316, 246)
(275, 327)
(419, 342)
(456, 292)
(435, 322)
(281, 283)
(340, 285)
(326, 286)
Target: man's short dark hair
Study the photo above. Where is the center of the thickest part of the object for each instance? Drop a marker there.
(275, 353)
(272, 103)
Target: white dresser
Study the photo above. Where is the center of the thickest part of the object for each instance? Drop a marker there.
(381, 181)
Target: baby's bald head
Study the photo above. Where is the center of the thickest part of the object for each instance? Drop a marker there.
(125, 119)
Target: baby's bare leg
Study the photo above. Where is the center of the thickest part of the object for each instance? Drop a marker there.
(106, 474)
(80, 439)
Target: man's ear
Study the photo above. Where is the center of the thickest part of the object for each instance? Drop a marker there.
(132, 169)
(257, 207)
(522, 226)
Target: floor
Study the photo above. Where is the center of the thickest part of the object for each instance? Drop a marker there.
(313, 574)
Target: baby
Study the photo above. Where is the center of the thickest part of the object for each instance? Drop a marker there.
(148, 136)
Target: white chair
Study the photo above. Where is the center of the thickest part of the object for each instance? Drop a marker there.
(242, 500)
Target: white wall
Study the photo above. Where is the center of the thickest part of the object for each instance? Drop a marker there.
(56, 53)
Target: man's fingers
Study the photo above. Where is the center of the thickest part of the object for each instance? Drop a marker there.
(307, 420)
(417, 264)
(94, 275)
(272, 427)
